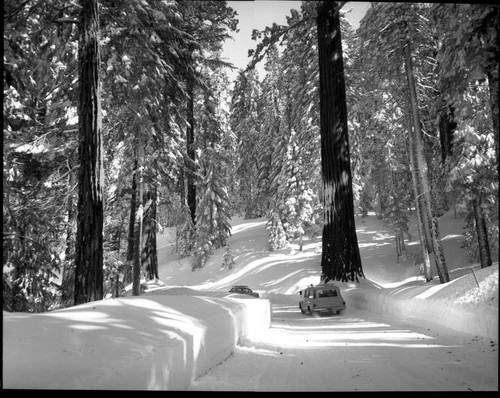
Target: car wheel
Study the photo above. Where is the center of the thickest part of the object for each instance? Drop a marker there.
(301, 309)
(309, 309)
(339, 312)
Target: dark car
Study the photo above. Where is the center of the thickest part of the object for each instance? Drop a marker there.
(242, 289)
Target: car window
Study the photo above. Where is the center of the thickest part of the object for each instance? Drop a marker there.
(327, 293)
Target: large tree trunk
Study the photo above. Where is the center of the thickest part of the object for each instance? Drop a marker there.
(494, 99)
(340, 258)
(149, 252)
(422, 170)
(89, 239)
(447, 126)
(191, 187)
(127, 278)
(136, 270)
(492, 72)
(423, 232)
(68, 272)
(482, 233)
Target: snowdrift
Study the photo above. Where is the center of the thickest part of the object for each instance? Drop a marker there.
(158, 341)
(453, 305)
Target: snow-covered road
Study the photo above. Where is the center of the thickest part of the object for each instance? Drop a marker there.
(355, 351)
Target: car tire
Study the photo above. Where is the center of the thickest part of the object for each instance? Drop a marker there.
(301, 309)
(339, 312)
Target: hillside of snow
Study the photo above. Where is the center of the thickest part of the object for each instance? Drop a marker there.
(187, 322)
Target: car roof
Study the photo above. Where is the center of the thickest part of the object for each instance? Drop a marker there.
(322, 286)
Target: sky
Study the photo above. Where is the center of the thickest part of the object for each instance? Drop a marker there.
(189, 333)
(261, 13)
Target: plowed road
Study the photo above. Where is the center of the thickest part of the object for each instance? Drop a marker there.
(355, 351)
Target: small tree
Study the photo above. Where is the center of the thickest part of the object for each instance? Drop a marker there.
(185, 233)
(277, 235)
(228, 260)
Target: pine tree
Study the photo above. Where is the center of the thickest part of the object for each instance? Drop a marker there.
(228, 259)
(277, 235)
(297, 210)
(213, 216)
(149, 257)
(185, 234)
(89, 252)
(245, 116)
(39, 155)
(340, 257)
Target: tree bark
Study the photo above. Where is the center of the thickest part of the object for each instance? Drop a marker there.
(136, 270)
(447, 126)
(422, 231)
(494, 99)
(127, 278)
(68, 273)
(340, 258)
(492, 72)
(149, 252)
(482, 234)
(89, 239)
(191, 188)
(422, 169)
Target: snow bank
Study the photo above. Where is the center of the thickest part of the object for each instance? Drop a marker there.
(453, 305)
(163, 340)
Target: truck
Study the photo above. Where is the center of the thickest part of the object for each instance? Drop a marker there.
(321, 298)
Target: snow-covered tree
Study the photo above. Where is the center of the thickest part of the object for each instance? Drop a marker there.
(277, 235)
(228, 259)
(245, 123)
(212, 227)
(185, 233)
(297, 208)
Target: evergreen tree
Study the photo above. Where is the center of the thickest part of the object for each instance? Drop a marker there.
(277, 235)
(185, 234)
(39, 154)
(149, 258)
(209, 32)
(297, 210)
(89, 252)
(340, 258)
(228, 259)
(245, 115)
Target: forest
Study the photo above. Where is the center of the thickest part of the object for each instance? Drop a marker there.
(119, 120)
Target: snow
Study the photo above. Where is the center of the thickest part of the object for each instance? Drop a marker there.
(174, 335)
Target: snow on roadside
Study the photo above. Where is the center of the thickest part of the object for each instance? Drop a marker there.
(157, 341)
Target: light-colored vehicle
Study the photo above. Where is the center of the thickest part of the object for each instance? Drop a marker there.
(321, 298)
